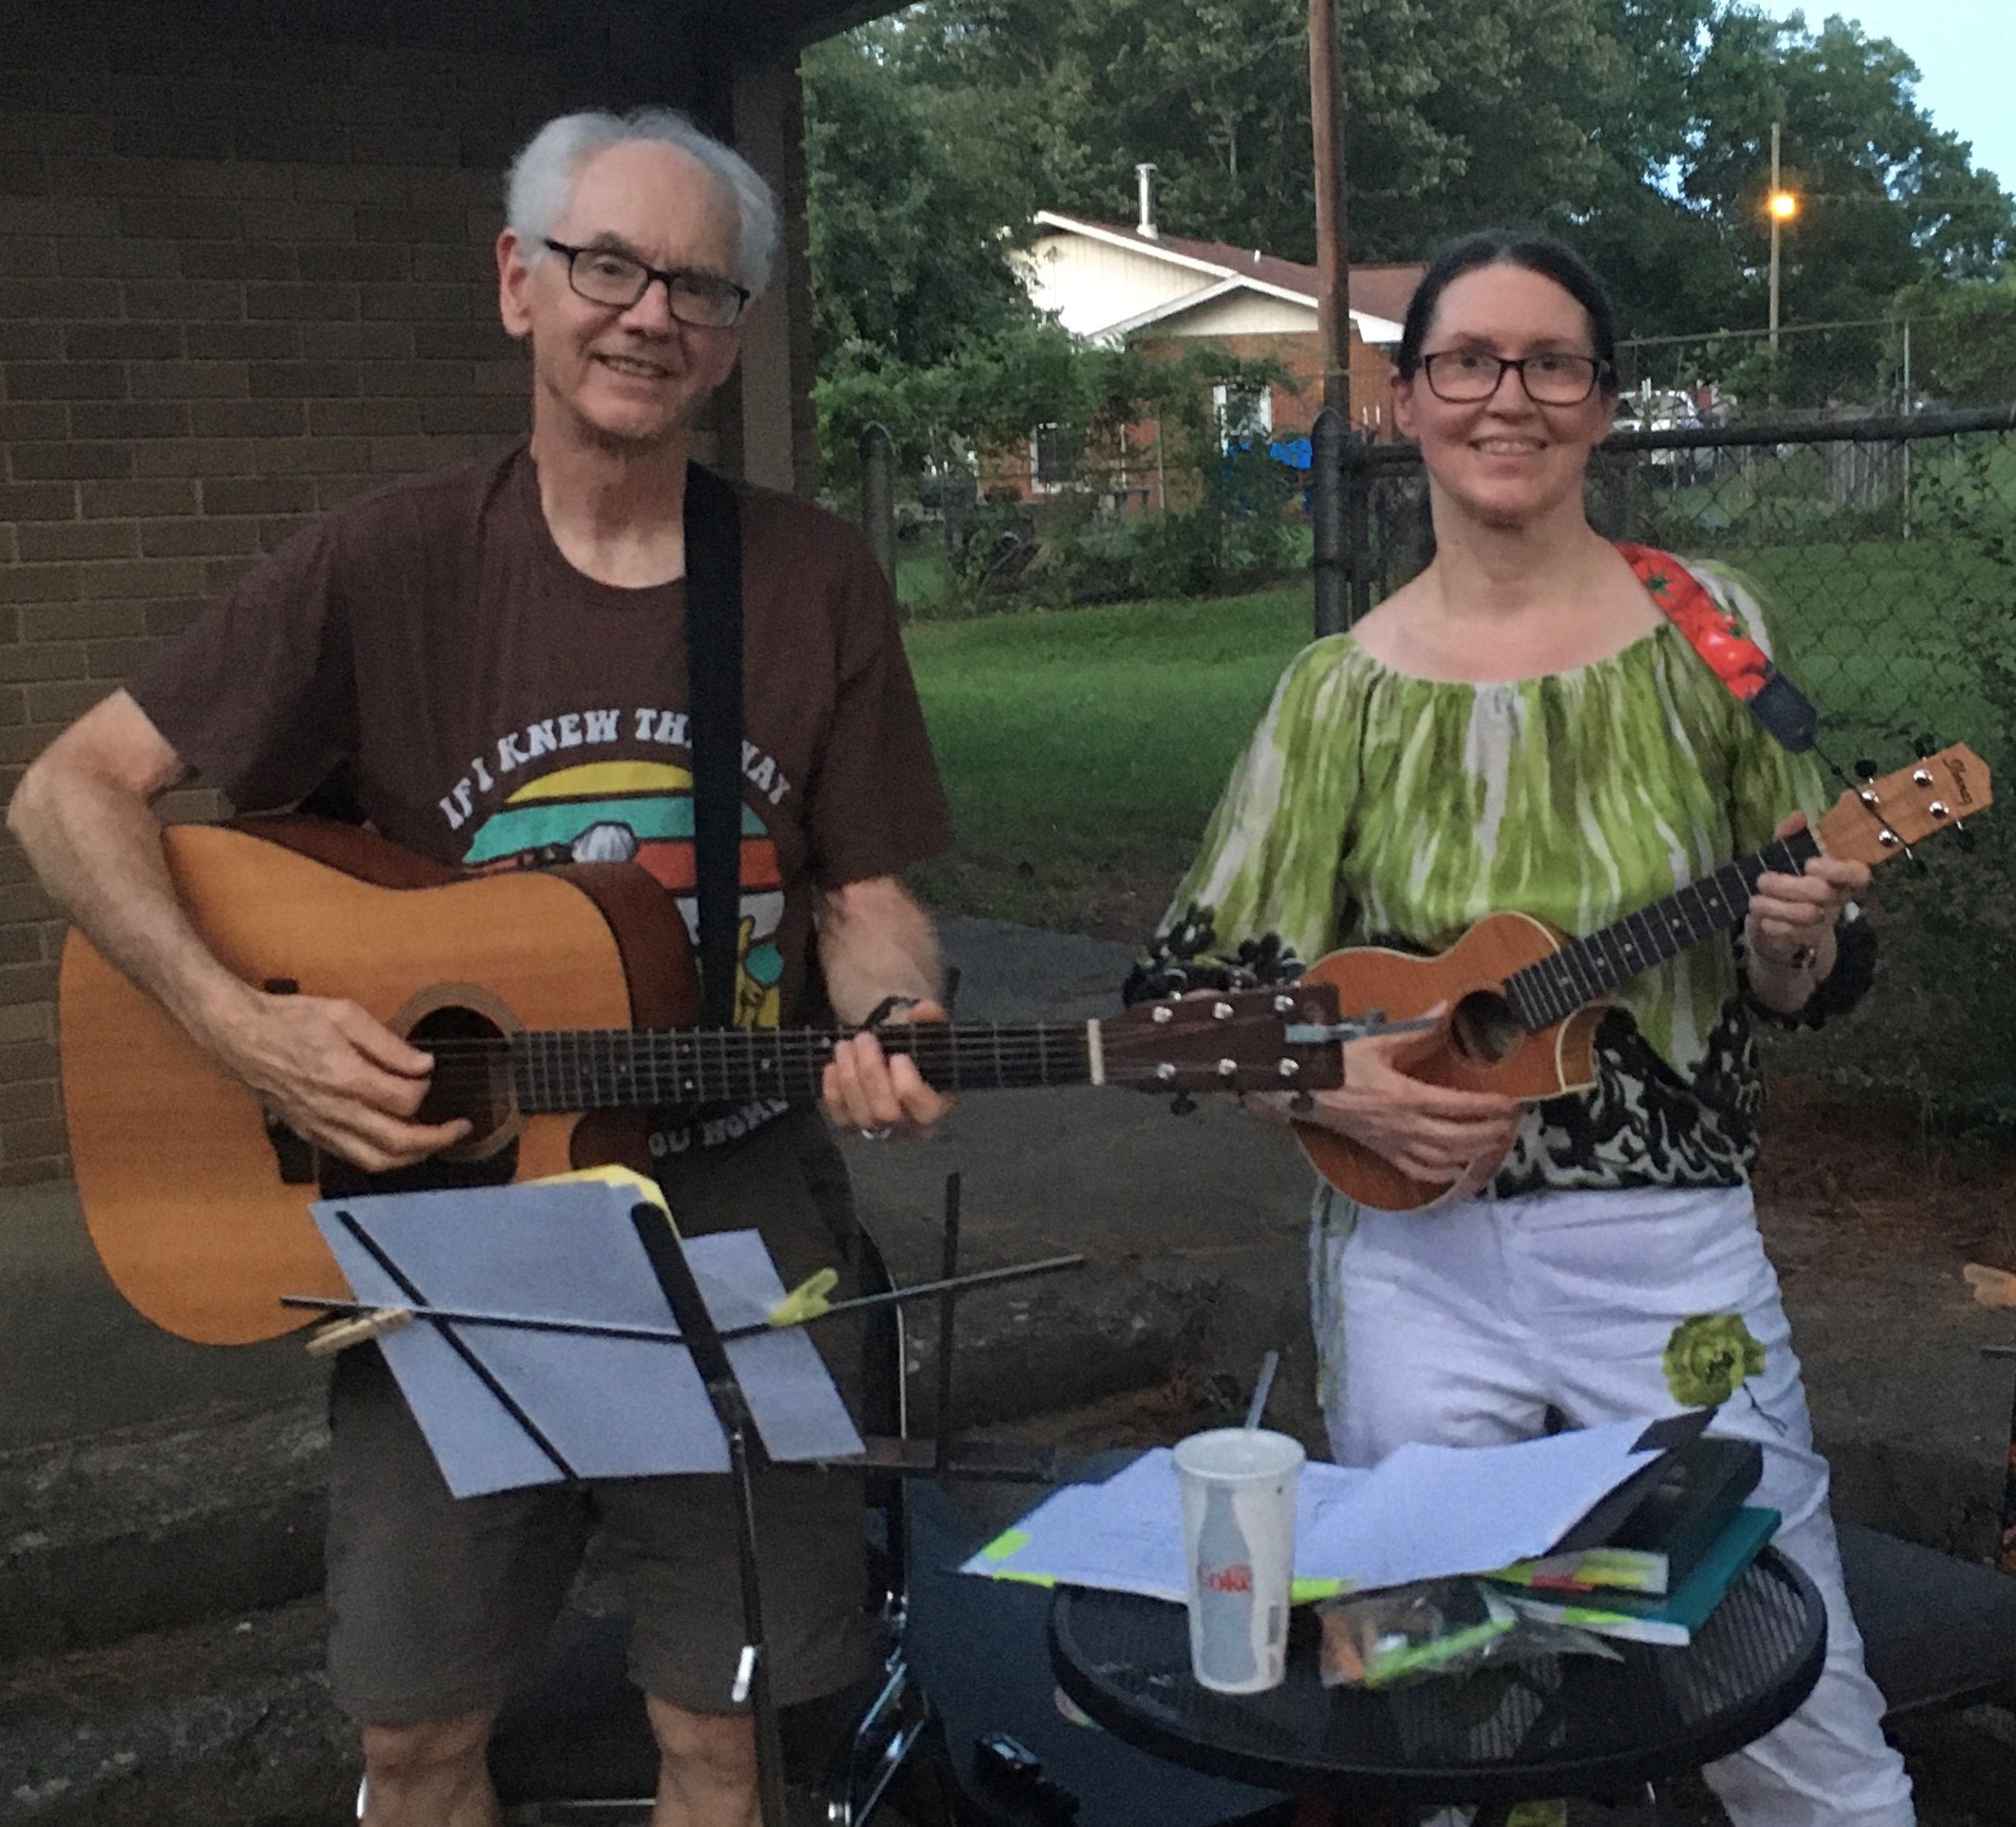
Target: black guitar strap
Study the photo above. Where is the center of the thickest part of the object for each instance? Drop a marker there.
(714, 708)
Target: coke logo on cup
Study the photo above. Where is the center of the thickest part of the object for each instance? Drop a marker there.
(1238, 1577)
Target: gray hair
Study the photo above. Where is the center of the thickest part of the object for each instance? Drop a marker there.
(541, 181)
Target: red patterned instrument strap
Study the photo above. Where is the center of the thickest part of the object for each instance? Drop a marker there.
(1712, 631)
(1718, 635)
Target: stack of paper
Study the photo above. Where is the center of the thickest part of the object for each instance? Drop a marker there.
(1126, 1535)
(1424, 1512)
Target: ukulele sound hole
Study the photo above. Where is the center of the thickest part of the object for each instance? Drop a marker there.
(1483, 1029)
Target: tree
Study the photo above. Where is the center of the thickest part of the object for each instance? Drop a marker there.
(1455, 108)
(1963, 338)
(1885, 197)
(910, 193)
(1637, 130)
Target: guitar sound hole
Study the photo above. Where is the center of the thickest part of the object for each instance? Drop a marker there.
(1483, 1029)
(463, 1085)
(471, 1077)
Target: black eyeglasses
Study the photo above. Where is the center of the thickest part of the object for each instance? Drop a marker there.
(1465, 377)
(603, 276)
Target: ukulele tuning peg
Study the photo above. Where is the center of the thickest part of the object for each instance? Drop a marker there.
(1864, 769)
(1915, 863)
(1182, 1104)
(1963, 837)
(1303, 1104)
(1925, 745)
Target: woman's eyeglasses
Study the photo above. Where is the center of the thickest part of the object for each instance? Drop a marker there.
(1465, 377)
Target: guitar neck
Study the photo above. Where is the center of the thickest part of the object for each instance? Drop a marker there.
(1590, 966)
(599, 1068)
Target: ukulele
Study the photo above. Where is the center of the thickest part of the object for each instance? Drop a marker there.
(558, 1005)
(1524, 998)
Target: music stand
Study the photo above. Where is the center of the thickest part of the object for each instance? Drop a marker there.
(488, 1379)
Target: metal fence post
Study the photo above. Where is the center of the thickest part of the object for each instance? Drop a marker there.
(1358, 527)
(879, 496)
(1328, 439)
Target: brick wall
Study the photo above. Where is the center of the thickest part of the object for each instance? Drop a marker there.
(1294, 412)
(241, 278)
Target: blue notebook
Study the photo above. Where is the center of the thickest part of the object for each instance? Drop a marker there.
(1674, 1619)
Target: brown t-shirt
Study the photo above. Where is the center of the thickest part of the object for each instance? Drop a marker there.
(497, 708)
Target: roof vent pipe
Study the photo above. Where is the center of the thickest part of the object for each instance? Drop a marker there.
(1144, 174)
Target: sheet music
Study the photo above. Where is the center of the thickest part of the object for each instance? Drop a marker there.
(614, 1408)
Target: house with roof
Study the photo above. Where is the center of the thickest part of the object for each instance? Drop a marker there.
(1157, 291)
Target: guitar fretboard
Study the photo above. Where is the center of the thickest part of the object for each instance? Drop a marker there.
(1590, 966)
(599, 1068)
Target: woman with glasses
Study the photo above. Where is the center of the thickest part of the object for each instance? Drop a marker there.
(1521, 727)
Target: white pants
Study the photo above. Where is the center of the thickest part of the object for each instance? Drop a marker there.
(1466, 1323)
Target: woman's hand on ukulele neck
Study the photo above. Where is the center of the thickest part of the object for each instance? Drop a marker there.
(1432, 1134)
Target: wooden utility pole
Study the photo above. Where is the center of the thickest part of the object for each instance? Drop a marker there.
(1777, 221)
(1327, 116)
(1336, 487)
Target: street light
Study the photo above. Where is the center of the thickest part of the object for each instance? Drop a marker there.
(1781, 206)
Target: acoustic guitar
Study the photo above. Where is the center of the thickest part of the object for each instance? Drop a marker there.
(558, 1006)
(1524, 998)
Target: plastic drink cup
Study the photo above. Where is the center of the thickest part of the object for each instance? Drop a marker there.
(1239, 1528)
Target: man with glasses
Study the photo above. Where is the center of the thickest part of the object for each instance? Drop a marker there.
(494, 659)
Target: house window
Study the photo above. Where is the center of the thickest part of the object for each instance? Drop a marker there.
(1246, 415)
(1052, 457)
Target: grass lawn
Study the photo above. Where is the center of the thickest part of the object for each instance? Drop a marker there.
(1083, 749)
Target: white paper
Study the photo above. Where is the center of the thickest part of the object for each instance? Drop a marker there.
(1424, 1512)
(1427, 1512)
(793, 1399)
(613, 1408)
(1126, 1535)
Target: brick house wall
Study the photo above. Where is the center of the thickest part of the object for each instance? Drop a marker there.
(1294, 410)
(245, 272)
(1010, 471)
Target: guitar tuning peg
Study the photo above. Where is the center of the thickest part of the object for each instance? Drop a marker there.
(1182, 1104)
(1925, 745)
(1864, 769)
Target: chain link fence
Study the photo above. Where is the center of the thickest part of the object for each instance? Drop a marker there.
(1885, 545)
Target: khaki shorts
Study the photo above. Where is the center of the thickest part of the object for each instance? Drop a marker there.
(438, 1606)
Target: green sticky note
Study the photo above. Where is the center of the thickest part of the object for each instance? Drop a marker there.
(1009, 1543)
(1305, 1591)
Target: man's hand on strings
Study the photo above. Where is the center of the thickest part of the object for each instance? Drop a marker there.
(337, 1077)
(876, 1092)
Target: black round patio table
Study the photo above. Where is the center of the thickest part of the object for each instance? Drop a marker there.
(1560, 1726)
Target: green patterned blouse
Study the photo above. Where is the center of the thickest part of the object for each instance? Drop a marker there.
(1373, 805)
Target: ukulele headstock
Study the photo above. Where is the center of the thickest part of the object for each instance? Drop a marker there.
(1885, 817)
(1231, 1040)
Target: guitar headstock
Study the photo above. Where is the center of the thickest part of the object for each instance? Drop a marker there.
(1883, 818)
(1237, 1040)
